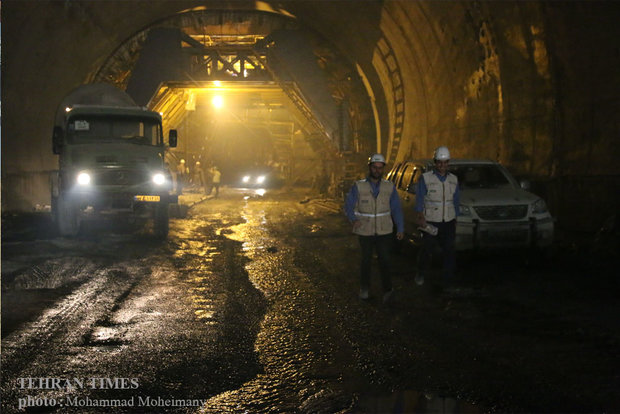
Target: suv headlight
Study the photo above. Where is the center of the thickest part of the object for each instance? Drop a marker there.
(83, 178)
(465, 210)
(159, 178)
(539, 206)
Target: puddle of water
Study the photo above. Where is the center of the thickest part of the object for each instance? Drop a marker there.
(202, 301)
(110, 349)
(315, 228)
(411, 401)
(199, 279)
(106, 337)
(105, 334)
(204, 314)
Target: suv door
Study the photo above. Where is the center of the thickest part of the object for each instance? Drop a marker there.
(406, 188)
(393, 174)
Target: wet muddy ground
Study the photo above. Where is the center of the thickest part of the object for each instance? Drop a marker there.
(251, 306)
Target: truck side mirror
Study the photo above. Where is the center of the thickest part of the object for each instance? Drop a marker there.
(57, 138)
(172, 138)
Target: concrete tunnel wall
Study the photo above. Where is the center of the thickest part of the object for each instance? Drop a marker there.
(531, 84)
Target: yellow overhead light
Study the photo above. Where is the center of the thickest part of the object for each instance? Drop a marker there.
(217, 101)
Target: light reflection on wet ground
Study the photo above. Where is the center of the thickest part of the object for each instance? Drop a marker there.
(308, 366)
(138, 318)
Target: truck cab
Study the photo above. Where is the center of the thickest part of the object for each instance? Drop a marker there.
(111, 162)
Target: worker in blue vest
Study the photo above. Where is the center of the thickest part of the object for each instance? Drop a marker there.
(373, 207)
(437, 206)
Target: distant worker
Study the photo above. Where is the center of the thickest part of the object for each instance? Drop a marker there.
(199, 176)
(372, 205)
(436, 207)
(181, 176)
(216, 177)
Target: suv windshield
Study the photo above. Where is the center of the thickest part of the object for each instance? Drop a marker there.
(83, 129)
(480, 176)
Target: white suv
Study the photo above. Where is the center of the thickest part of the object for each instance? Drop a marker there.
(495, 211)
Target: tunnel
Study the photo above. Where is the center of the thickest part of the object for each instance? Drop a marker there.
(311, 88)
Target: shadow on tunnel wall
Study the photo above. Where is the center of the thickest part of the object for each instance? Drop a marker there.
(25, 191)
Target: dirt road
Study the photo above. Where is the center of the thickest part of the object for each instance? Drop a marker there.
(251, 306)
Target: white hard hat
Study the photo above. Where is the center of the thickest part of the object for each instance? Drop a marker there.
(442, 154)
(182, 161)
(376, 158)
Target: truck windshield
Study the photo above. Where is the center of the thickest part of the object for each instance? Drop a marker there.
(84, 129)
(480, 176)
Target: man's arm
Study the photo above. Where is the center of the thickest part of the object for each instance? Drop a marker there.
(420, 193)
(350, 202)
(457, 201)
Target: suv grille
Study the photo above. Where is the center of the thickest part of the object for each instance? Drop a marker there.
(514, 212)
(121, 177)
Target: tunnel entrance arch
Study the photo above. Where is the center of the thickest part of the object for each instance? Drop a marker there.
(225, 44)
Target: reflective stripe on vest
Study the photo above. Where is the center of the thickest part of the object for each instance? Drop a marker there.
(372, 215)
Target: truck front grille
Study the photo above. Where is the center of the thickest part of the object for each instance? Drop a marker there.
(121, 177)
(513, 212)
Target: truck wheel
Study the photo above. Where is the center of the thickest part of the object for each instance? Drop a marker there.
(67, 217)
(160, 225)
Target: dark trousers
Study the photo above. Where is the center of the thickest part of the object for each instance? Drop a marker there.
(445, 239)
(382, 244)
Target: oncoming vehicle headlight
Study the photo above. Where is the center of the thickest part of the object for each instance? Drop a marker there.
(539, 206)
(83, 178)
(465, 210)
(260, 179)
(159, 178)
(246, 179)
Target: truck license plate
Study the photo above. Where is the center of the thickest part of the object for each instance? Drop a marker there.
(146, 198)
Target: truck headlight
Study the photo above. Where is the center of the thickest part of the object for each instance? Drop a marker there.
(465, 210)
(159, 178)
(83, 178)
(246, 179)
(260, 179)
(539, 206)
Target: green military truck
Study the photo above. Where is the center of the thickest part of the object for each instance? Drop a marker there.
(111, 161)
